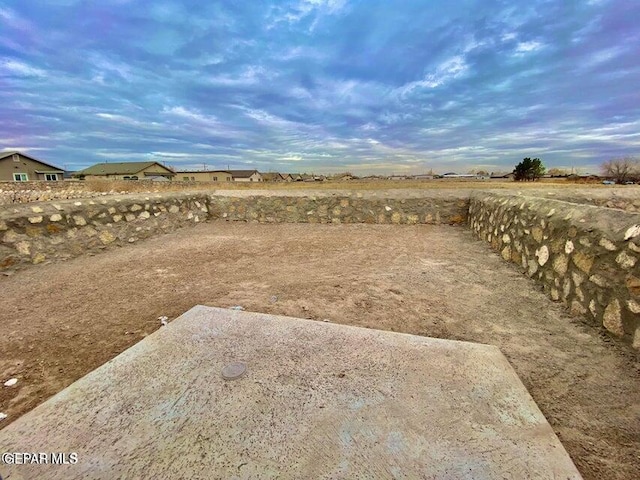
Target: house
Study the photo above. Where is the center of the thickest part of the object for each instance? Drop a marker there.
(509, 176)
(272, 177)
(287, 177)
(313, 178)
(203, 176)
(126, 171)
(345, 177)
(20, 167)
(296, 177)
(423, 176)
(462, 175)
(246, 175)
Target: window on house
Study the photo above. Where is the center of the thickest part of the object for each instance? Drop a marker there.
(126, 178)
(51, 177)
(193, 179)
(15, 157)
(20, 177)
(215, 179)
(185, 179)
(134, 177)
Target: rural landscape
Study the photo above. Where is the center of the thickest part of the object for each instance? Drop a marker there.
(397, 259)
(319, 239)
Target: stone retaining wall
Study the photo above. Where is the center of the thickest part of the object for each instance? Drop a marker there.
(584, 256)
(40, 232)
(26, 192)
(341, 209)
(47, 231)
(12, 193)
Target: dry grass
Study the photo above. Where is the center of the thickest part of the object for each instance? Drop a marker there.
(124, 186)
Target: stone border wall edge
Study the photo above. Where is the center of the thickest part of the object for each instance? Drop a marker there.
(582, 255)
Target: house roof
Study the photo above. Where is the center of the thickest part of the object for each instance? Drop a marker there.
(4, 155)
(242, 173)
(272, 176)
(202, 171)
(121, 168)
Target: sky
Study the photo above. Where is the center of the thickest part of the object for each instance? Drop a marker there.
(321, 86)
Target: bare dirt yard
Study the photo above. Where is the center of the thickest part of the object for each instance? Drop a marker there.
(60, 321)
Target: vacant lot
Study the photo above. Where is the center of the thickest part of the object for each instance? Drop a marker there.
(60, 321)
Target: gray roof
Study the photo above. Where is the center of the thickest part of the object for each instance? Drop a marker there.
(8, 154)
(121, 168)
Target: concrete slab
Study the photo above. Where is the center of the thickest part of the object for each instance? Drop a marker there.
(316, 400)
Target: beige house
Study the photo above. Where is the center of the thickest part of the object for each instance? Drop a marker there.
(19, 167)
(272, 177)
(126, 171)
(246, 176)
(203, 176)
(287, 177)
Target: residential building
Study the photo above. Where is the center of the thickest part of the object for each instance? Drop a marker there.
(246, 175)
(203, 176)
(20, 167)
(126, 171)
(313, 178)
(272, 177)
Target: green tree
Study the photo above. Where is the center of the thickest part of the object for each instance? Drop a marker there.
(529, 169)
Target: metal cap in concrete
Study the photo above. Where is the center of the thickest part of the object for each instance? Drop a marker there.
(315, 401)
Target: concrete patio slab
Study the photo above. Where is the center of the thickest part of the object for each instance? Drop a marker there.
(229, 394)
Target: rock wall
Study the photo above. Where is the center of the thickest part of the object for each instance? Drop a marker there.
(40, 191)
(41, 232)
(584, 256)
(48, 231)
(26, 192)
(356, 208)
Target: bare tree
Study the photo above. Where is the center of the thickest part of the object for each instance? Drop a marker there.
(621, 169)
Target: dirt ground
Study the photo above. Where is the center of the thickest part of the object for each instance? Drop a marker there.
(60, 321)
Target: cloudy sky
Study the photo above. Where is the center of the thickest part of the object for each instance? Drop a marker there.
(368, 86)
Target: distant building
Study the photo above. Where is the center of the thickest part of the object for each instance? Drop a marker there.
(312, 178)
(246, 175)
(203, 176)
(296, 177)
(463, 175)
(126, 171)
(20, 167)
(344, 177)
(287, 177)
(509, 176)
(272, 177)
